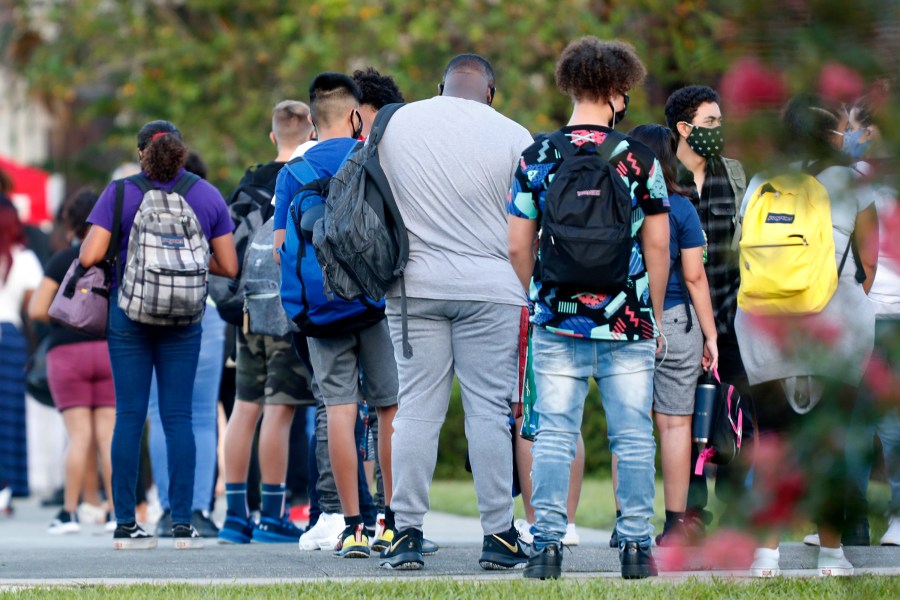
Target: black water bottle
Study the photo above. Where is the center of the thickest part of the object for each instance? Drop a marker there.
(704, 405)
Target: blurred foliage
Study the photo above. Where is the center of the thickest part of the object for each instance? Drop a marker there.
(216, 67)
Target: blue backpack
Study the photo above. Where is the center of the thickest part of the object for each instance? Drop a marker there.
(317, 313)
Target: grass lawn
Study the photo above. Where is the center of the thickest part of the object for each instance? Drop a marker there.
(564, 589)
(597, 507)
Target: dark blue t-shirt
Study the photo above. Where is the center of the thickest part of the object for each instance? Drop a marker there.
(325, 157)
(684, 232)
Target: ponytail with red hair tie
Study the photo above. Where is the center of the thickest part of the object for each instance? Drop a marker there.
(158, 135)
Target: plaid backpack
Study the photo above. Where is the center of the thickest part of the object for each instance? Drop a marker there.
(164, 278)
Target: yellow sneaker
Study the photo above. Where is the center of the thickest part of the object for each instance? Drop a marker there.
(384, 541)
(353, 543)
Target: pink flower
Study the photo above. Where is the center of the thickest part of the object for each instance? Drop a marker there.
(673, 558)
(840, 83)
(729, 550)
(749, 85)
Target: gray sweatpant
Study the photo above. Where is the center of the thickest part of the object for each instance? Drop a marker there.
(479, 342)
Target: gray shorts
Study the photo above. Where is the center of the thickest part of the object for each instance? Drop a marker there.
(356, 366)
(675, 378)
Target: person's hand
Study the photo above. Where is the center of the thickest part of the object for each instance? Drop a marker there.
(276, 257)
(660, 342)
(710, 360)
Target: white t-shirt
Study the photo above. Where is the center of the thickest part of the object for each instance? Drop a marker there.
(298, 152)
(24, 276)
(450, 163)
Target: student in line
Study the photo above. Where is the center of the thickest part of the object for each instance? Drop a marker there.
(138, 349)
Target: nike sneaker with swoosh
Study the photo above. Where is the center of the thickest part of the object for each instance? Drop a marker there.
(503, 551)
(405, 552)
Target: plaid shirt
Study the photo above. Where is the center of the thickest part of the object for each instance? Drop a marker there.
(716, 205)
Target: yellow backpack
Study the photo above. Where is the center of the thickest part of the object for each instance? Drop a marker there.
(787, 248)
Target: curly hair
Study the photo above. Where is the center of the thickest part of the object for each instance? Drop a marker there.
(593, 70)
(163, 152)
(377, 90)
(682, 105)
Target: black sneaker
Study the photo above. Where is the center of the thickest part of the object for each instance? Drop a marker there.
(503, 551)
(204, 525)
(405, 552)
(637, 561)
(132, 537)
(186, 537)
(545, 564)
(164, 525)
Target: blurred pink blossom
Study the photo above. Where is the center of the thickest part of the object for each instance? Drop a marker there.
(750, 85)
(729, 550)
(840, 83)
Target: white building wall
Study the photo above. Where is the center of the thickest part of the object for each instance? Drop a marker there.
(24, 124)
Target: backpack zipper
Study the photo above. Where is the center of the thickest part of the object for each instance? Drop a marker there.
(803, 242)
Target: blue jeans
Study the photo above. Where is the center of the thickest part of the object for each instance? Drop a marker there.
(624, 375)
(135, 351)
(204, 408)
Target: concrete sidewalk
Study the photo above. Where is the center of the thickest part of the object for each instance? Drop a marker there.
(29, 555)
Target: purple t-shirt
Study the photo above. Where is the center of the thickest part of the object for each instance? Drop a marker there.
(205, 200)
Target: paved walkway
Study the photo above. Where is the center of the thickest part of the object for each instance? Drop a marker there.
(29, 555)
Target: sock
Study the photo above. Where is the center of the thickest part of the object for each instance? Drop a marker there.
(764, 553)
(618, 514)
(353, 521)
(672, 519)
(389, 518)
(236, 499)
(273, 500)
(832, 552)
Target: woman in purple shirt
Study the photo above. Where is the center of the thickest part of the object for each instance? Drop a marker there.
(137, 349)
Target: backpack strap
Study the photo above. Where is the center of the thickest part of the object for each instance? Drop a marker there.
(184, 184)
(112, 252)
(302, 171)
(609, 145)
(142, 182)
(381, 120)
(562, 144)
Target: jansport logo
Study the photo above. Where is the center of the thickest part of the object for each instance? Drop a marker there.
(779, 218)
(588, 192)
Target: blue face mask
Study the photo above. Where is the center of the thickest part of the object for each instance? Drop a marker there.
(852, 146)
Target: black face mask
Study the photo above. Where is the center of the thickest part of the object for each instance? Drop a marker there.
(357, 131)
(619, 116)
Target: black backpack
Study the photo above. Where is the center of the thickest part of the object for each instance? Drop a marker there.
(250, 205)
(361, 242)
(585, 237)
(732, 424)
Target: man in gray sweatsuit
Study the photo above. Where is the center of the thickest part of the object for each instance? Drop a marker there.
(450, 162)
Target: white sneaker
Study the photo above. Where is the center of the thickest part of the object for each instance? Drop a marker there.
(765, 563)
(6, 501)
(891, 537)
(64, 523)
(324, 534)
(833, 563)
(91, 513)
(379, 527)
(571, 538)
(524, 529)
(812, 539)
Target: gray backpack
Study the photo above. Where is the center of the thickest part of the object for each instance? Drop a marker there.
(164, 278)
(260, 284)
